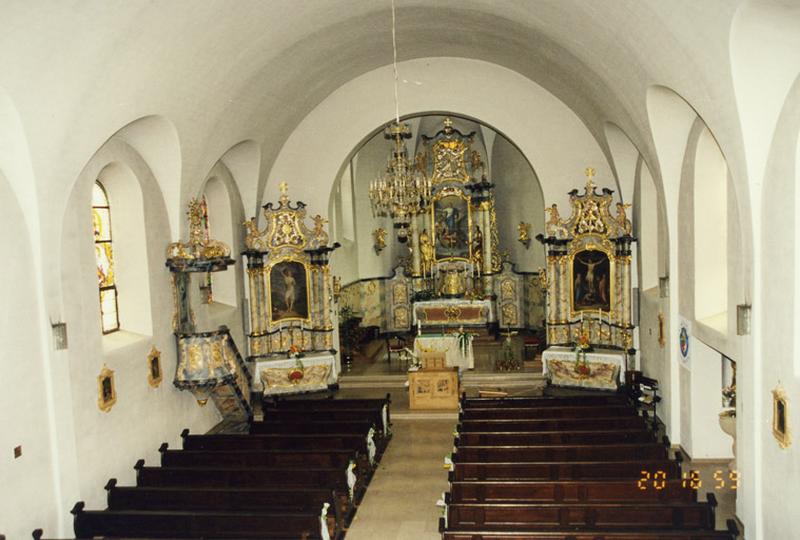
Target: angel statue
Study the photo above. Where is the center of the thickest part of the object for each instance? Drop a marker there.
(319, 236)
(623, 223)
(553, 226)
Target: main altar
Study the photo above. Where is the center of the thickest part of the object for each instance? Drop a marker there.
(588, 278)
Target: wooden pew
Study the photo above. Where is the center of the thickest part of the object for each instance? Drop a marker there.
(339, 415)
(536, 402)
(515, 438)
(170, 524)
(567, 491)
(289, 498)
(256, 458)
(517, 516)
(369, 407)
(268, 426)
(527, 413)
(569, 470)
(525, 454)
(220, 477)
(542, 424)
(592, 534)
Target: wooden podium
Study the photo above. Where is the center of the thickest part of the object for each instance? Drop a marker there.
(433, 389)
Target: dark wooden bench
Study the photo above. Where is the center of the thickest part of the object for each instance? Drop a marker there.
(260, 477)
(570, 470)
(340, 415)
(541, 424)
(536, 402)
(520, 454)
(341, 441)
(567, 491)
(594, 533)
(506, 438)
(377, 410)
(287, 498)
(270, 426)
(517, 516)
(527, 413)
(171, 524)
(257, 458)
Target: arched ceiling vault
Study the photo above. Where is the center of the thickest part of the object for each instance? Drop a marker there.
(224, 72)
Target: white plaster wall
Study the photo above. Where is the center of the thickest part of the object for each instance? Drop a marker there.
(518, 197)
(780, 276)
(29, 483)
(547, 132)
(706, 439)
(710, 233)
(108, 444)
(646, 229)
(221, 226)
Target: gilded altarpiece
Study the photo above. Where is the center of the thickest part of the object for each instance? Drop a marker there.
(455, 250)
(289, 282)
(588, 272)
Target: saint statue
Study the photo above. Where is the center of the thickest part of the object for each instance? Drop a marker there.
(477, 247)
(426, 251)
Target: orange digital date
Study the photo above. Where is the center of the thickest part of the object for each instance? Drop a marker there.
(658, 480)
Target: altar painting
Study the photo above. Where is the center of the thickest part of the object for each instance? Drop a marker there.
(288, 291)
(591, 281)
(451, 225)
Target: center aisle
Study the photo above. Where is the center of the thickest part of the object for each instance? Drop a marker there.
(400, 503)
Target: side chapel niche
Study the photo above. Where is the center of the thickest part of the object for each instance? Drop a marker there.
(589, 271)
(290, 290)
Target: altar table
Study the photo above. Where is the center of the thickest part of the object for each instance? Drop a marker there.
(448, 344)
(453, 312)
(272, 376)
(598, 356)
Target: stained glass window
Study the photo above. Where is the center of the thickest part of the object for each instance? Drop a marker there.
(205, 285)
(104, 259)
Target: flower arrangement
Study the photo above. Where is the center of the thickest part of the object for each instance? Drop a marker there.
(583, 345)
(296, 373)
(464, 339)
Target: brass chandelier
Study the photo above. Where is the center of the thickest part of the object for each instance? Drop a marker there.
(402, 191)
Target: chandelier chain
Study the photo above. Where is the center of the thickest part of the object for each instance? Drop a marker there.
(394, 66)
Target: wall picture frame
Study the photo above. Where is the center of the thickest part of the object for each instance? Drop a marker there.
(106, 390)
(780, 417)
(154, 372)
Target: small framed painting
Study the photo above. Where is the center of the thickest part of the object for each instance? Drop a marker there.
(780, 417)
(106, 390)
(154, 374)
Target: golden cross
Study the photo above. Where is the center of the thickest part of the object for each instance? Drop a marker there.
(284, 187)
(590, 172)
(448, 123)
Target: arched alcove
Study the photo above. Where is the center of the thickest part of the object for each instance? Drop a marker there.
(710, 222)
(221, 227)
(130, 248)
(646, 224)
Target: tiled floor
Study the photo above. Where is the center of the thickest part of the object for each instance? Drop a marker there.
(400, 503)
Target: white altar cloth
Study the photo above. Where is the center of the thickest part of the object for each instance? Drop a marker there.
(308, 361)
(598, 355)
(448, 344)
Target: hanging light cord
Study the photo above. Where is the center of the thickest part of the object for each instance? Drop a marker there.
(394, 65)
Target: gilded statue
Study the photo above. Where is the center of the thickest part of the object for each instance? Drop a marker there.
(554, 226)
(253, 239)
(426, 251)
(319, 236)
(477, 248)
(379, 238)
(623, 223)
(524, 230)
(199, 245)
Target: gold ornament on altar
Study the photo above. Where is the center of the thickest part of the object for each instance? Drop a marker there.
(379, 239)
(524, 234)
(426, 252)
